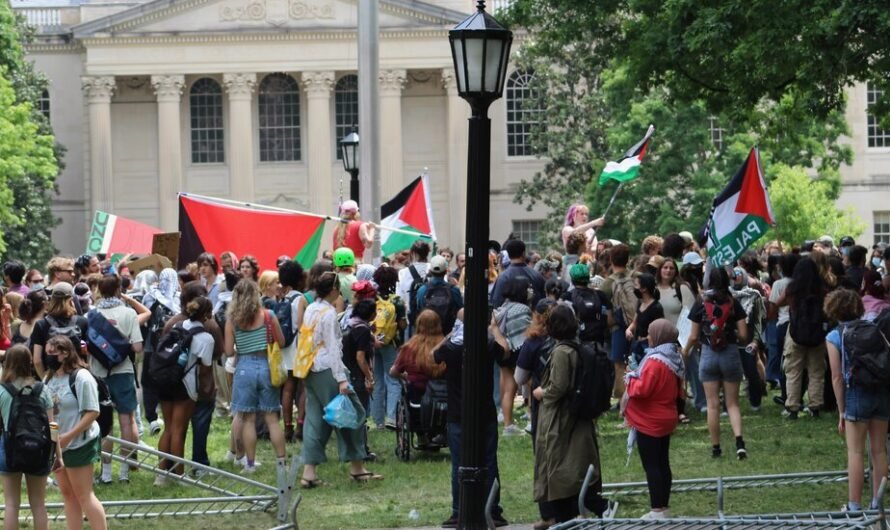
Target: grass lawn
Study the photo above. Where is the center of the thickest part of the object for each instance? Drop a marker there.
(775, 445)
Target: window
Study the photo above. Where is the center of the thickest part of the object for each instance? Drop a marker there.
(882, 227)
(528, 232)
(522, 114)
(345, 109)
(206, 110)
(43, 103)
(279, 116)
(716, 133)
(877, 137)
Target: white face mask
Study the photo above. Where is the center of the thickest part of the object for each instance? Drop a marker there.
(877, 262)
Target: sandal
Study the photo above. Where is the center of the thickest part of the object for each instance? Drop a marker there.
(307, 484)
(365, 477)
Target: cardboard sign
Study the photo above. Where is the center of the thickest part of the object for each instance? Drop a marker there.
(166, 244)
(155, 262)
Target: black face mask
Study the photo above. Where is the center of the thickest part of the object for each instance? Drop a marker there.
(638, 293)
(53, 363)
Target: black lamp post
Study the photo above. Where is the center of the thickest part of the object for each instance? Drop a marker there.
(349, 151)
(480, 48)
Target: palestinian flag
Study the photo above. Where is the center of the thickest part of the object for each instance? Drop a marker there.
(113, 234)
(209, 226)
(741, 213)
(410, 210)
(627, 167)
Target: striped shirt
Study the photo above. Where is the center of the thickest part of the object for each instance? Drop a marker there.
(251, 340)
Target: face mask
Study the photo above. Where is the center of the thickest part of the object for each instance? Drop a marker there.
(877, 262)
(38, 287)
(53, 362)
(638, 293)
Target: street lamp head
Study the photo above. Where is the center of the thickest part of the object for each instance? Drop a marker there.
(480, 47)
(349, 151)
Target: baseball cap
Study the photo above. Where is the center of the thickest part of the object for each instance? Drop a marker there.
(826, 241)
(438, 265)
(687, 236)
(692, 258)
(579, 272)
(349, 206)
(63, 290)
(847, 241)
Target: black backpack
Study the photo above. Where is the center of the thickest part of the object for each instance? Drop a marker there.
(283, 313)
(69, 329)
(417, 282)
(589, 311)
(438, 299)
(168, 362)
(594, 379)
(868, 355)
(160, 314)
(807, 324)
(29, 447)
(106, 406)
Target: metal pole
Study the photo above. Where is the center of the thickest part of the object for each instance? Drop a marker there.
(477, 364)
(369, 113)
(353, 185)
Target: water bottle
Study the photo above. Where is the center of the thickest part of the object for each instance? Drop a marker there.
(183, 359)
(414, 515)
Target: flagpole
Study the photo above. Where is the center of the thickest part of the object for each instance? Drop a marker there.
(308, 214)
(612, 200)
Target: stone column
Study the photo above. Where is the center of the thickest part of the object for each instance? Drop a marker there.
(98, 91)
(391, 162)
(458, 111)
(240, 154)
(168, 89)
(317, 86)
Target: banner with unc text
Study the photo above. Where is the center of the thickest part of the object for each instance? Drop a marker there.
(113, 234)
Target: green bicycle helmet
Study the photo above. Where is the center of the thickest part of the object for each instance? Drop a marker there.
(344, 257)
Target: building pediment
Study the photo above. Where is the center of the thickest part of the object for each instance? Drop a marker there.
(179, 17)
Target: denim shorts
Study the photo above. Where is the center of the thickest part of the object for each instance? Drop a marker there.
(863, 404)
(123, 392)
(717, 366)
(252, 389)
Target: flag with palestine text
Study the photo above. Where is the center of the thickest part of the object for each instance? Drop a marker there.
(628, 167)
(741, 213)
(409, 210)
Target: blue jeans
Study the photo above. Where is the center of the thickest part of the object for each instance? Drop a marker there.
(387, 390)
(698, 391)
(774, 353)
(755, 385)
(200, 430)
(491, 462)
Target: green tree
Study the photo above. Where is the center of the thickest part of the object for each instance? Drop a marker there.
(32, 190)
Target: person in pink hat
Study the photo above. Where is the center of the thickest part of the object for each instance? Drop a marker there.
(353, 232)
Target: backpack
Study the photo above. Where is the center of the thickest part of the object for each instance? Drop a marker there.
(168, 362)
(160, 314)
(306, 349)
(29, 447)
(69, 329)
(867, 355)
(623, 298)
(807, 325)
(716, 317)
(417, 282)
(105, 342)
(589, 310)
(593, 381)
(220, 315)
(386, 323)
(438, 298)
(283, 311)
(106, 406)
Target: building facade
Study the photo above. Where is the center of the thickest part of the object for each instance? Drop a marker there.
(247, 99)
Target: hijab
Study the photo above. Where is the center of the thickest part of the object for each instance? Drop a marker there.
(144, 280)
(663, 348)
(663, 331)
(167, 290)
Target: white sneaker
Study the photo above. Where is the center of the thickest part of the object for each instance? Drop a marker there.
(242, 462)
(230, 457)
(656, 515)
(248, 470)
(528, 428)
(161, 481)
(513, 430)
(500, 417)
(156, 426)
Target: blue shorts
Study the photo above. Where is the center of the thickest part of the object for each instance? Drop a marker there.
(123, 392)
(863, 404)
(3, 468)
(720, 366)
(252, 389)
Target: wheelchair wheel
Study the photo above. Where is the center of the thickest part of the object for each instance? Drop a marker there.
(403, 431)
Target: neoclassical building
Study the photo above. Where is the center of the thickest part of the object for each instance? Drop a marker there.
(246, 99)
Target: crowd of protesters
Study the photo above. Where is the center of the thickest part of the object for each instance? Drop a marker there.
(681, 337)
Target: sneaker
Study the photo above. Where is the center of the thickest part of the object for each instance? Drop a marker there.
(741, 453)
(655, 515)
(242, 462)
(789, 414)
(156, 426)
(812, 412)
(198, 474)
(249, 470)
(500, 417)
(513, 430)
(703, 410)
(779, 400)
(230, 457)
(105, 480)
(611, 510)
(755, 409)
(390, 424)
(451, 522)
(716, 452)
(528, 428)
(161, 481)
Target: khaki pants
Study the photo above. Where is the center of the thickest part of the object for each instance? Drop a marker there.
(797, 359)
(223, 392)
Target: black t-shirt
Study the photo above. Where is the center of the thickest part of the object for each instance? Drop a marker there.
(533, 356)
(698, 315)
(452, 355)
(646, 317)
(357, 339)
(40, 334)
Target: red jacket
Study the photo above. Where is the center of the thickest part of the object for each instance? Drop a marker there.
(652, 407)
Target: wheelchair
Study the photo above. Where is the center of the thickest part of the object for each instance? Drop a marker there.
(421, 425)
